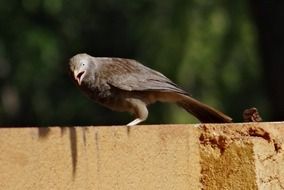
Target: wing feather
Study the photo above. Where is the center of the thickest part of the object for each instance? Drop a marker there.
(130, 75)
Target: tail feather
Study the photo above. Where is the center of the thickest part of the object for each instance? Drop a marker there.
(202, 112)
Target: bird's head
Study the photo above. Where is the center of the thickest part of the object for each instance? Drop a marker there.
(80, 66)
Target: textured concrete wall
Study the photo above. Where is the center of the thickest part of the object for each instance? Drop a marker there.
(233, 156)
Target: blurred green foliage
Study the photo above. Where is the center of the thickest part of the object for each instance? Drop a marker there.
(207, 47)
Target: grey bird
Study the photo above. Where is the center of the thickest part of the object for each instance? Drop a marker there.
(126, 85)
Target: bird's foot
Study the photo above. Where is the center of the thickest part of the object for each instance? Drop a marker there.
(135, 122)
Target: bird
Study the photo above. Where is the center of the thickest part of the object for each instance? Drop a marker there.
(126, 85)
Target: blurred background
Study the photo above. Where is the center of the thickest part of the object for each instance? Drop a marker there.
(228, 54)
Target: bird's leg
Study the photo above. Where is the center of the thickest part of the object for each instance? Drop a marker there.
(140, 111)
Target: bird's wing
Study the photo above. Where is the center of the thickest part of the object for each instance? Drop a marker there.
(130, 75)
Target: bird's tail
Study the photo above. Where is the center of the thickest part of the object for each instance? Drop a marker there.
(202, 112)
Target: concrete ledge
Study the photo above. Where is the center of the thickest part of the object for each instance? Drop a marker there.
(202, 156)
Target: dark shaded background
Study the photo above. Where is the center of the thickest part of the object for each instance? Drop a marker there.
(229, 54)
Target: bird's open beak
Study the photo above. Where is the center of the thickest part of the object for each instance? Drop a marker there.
(79, 76)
